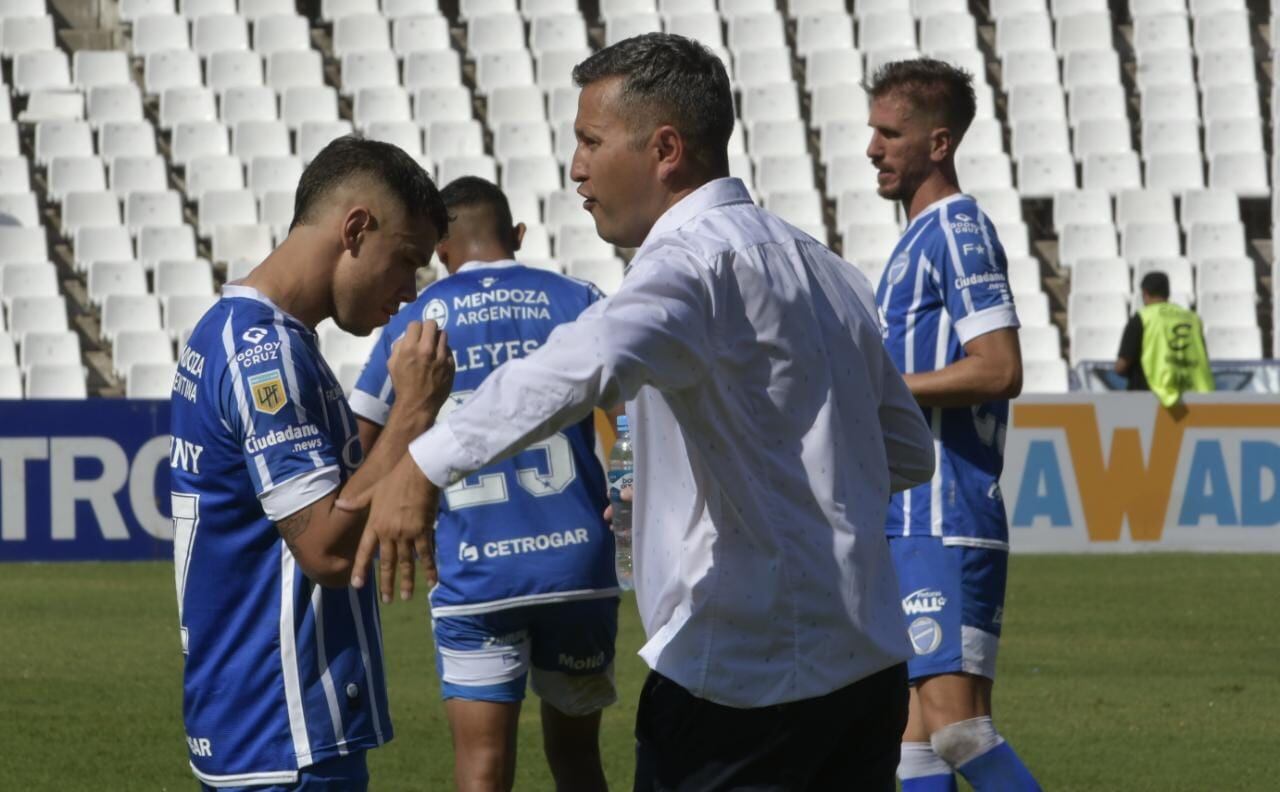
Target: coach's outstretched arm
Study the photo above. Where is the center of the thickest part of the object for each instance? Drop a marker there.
(653, 331)
(323, 539)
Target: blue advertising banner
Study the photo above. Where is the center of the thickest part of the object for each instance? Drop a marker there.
(84, 480)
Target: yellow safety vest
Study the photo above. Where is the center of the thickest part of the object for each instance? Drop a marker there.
(1173, 355)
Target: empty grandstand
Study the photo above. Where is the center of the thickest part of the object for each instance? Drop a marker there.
(149, 150)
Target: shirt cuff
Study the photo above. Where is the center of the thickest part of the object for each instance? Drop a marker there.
(985, 321)
(439, 456)
(292, 496)
(369, 407)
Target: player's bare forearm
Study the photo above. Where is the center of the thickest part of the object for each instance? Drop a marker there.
(990, 371)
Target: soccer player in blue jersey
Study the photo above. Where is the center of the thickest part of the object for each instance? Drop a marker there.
(951, 328)
(283, 680)
(525, 560)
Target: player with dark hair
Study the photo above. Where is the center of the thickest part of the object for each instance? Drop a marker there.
(526, 581)
(283, 682)
(951, 328)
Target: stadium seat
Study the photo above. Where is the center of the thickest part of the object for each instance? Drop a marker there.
(27, 280)
(62, 139)
(336, 10)
(231, 242)
(182, 311)
(1225, 342)
(247, 103)
(763, 67)
(825, 31)
(219, 32)
(432, 68)
(140, 346)
(1215, 240)
(1112, 172)
(156, 243)
(110, 243)
(605, 272)
(1040, 343)
(1036, 101)
(73, 174)
(159, 32)
(267, 174)
(162, 208)
(280, 33)
(61, 348)
(315, 135)
(1025, 31)
(1144, 206)
(833, 67)
(850, 139)
(360, 33)
(1209, 206)
(131, 10)
(294, 68)
(1039, 136)
(221, 172)
(93, 68)
(454, 139)
(1150, 241)
(8, 138)
(1095, 342)
(863, 241)
(149, 381)
(226, 207)
(1161, 102)
(37, 314)
(832, 103)
(56, 382)
(368, 69)
(302, 103)
(40, 70)
(86, 210)
(186, 105)
(383, 103)
(193, 139)
(441, 103)
(1244, 173)
(886, 31)
(19, 244)
(183, 277)
(1231, 101)
(1176, 171)
(15, 174)
(1090, 67)
(1045, 376)
(521, 139)
(1162, 32)
(1226, 67)
(115, 277)
(405, 135)
(420, 33)
(1033, 308)
(1029, 67)
(340, 347)
(250, 139)
(1164, 67)
(126, 312)
(1170, 136)
(137, 174)
(798, 207)
(1228, 309)
(1228, 135)
(1086, 241)
(1101, 136)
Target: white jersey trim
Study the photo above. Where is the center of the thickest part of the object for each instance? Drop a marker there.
(293, 495)
(326, 678)
(246, 779)
(974, 541)
(978, 323)
(289, 659)
(357, 615)
(472, 609)
(369, 407)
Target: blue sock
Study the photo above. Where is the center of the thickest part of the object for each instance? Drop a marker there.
(921, 770)
(998, 769)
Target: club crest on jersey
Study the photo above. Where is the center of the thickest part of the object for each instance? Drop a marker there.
(488, 282)
(268, 392)
(436, 311)
(925, 634)
(898, 268)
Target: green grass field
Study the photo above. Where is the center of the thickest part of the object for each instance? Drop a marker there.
(1157, 672)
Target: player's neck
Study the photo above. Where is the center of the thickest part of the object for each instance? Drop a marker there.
(940, 184)
(307, 299)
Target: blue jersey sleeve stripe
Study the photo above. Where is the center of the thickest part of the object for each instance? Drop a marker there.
(264, 473)
(290, 376)
(233, 368)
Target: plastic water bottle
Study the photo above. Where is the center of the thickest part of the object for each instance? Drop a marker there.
(622, 477)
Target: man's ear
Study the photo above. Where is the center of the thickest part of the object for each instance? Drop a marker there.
(669, 147)
(355, 224)
(517, 236)
(941, 144)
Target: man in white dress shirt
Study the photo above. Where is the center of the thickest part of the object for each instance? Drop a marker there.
(770, 430)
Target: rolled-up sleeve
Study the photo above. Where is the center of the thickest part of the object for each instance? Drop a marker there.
(653, 331)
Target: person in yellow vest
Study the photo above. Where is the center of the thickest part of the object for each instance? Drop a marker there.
(1162, 349)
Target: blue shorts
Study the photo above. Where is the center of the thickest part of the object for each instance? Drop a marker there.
(348, 773)
(568, 645)
(953, 601)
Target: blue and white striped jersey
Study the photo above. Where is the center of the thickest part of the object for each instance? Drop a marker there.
(280, 673)
(528, 529)
(946, 284)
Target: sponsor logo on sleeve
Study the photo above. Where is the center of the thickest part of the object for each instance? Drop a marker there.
(254, 335)
(923, 600)
(437, 311)
(898, 268)
(925, 634)
(269, 396)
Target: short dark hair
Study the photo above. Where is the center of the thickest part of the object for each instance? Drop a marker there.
(943, 91)
(1156, 284)
(475, 191)
(674, 80)
(349, 157)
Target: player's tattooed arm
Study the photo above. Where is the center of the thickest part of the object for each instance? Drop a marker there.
(294, 526)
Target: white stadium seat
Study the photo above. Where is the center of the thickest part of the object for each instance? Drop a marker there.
(149, 380)
(56, 382)
(157, 243)
(111, 243)
(115, 277)
(125, 312)
(291, 68)
(140, 346)
(128, 174)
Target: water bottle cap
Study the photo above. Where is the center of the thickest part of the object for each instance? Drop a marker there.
(622, 424)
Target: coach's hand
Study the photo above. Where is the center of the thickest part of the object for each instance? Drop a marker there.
(401, 521)
(421, 368)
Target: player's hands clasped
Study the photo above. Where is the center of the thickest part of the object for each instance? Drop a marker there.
(421, 367)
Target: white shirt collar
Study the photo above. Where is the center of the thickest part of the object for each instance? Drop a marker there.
(500, 263)
(250, 293)
(716, 192)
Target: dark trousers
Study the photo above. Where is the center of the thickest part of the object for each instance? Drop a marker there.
(845, 740)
